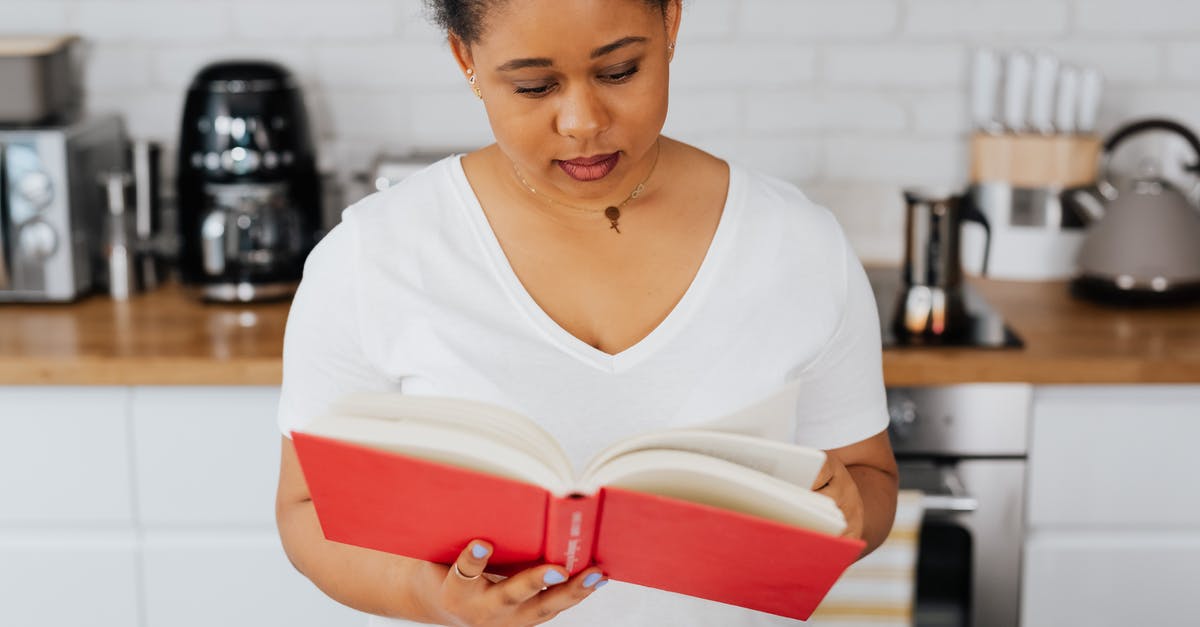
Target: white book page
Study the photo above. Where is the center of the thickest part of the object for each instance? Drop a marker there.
(497, 423)
(718, 483)
(798, 465)
(440, 443)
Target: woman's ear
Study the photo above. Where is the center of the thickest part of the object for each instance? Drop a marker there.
(461, 52)
(673, 15)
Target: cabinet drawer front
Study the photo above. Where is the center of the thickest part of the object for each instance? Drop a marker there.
(206, 579)
(69, 579)
(1111, 579)
(64, 456)
(206, 455)
(1115, 458)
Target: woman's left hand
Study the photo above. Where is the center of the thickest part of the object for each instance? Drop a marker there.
(835, 481)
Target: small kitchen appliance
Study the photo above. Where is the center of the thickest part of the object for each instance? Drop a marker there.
(51, 207)
(248, 191)
(40, 79)
(1143, 244)
(930, 306)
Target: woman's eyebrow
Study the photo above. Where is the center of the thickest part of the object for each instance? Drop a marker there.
(517, 64)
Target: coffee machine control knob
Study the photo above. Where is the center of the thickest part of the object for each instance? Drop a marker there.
(240, 160)
(36, 188)
(37, 240)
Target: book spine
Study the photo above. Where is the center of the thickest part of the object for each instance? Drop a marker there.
(571, 530)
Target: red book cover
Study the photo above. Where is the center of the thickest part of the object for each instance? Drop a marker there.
(428, 510)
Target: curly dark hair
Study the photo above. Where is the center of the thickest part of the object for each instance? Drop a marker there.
(464, 18)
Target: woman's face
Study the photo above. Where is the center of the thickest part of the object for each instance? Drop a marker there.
(575, 90)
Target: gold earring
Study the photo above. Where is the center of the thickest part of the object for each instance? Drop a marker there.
(471, 80)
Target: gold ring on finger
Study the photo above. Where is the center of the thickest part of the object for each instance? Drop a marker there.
(458, 573)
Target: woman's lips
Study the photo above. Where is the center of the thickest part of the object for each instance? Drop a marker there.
(590, 168)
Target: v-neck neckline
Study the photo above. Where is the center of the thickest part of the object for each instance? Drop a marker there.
(666, 329)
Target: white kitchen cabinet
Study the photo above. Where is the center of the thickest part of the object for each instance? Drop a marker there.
(64, 456)
(56, 579)
(206, 455)
(200, 579)
(1112, 579)
(1113, 534)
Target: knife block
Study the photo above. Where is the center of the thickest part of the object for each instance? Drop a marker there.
(1035, 161)
(1017, 182)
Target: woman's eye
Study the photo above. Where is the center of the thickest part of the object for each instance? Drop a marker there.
(533, 91)
(620, 76)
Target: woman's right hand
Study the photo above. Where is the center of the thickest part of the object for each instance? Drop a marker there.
(530, 597)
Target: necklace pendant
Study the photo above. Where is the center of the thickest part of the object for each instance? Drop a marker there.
(613, 214)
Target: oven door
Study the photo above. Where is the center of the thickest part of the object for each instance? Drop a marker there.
(968, 560)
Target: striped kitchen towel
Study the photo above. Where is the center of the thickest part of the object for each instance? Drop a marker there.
(879, 589)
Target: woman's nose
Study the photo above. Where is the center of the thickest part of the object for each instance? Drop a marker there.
(582, 115)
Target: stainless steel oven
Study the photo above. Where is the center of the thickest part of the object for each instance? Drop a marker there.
(965, 447)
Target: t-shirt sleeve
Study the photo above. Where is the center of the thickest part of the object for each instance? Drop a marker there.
(842, 398)
(324, 354)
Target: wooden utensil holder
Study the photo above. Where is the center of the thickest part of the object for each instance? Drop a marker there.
(1031, 160)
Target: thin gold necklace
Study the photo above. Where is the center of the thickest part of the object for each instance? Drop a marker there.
(612, 212)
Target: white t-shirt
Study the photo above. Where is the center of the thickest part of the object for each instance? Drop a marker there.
(412, 292)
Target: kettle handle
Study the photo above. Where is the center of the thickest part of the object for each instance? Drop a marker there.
(970, 212)
(1154, 124)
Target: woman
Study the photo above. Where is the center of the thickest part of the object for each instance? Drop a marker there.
(594, 275)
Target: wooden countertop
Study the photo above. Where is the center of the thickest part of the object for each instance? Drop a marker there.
(1067, 341)
(166, 338)
(162, 337)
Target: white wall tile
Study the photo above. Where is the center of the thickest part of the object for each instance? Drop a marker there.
(902, 160)
(820, 19)
(1131, 18)
(360, 114)
(443, 119)
(958, 18)
(906, 66)
(789, 158)
(708, 20)
(939, 113)
(1183, 63)
(414, 24)
(1181, 103)
(149, 114)
(703, 112)
(174, 67)
(32, 16)
(804, 110)
(387, 66)
(118, 67)
(291, 20)
(726, 66)
(1134, 62)
(166, 22)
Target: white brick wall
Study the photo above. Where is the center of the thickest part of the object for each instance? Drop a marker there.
(839, 95)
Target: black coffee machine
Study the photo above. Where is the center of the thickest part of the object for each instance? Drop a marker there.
(248, 190)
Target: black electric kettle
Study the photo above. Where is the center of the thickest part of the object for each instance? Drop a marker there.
(1142, 245)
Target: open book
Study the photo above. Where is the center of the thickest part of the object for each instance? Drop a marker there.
(718, 515)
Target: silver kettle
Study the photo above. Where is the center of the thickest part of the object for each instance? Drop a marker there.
(1142, 245)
